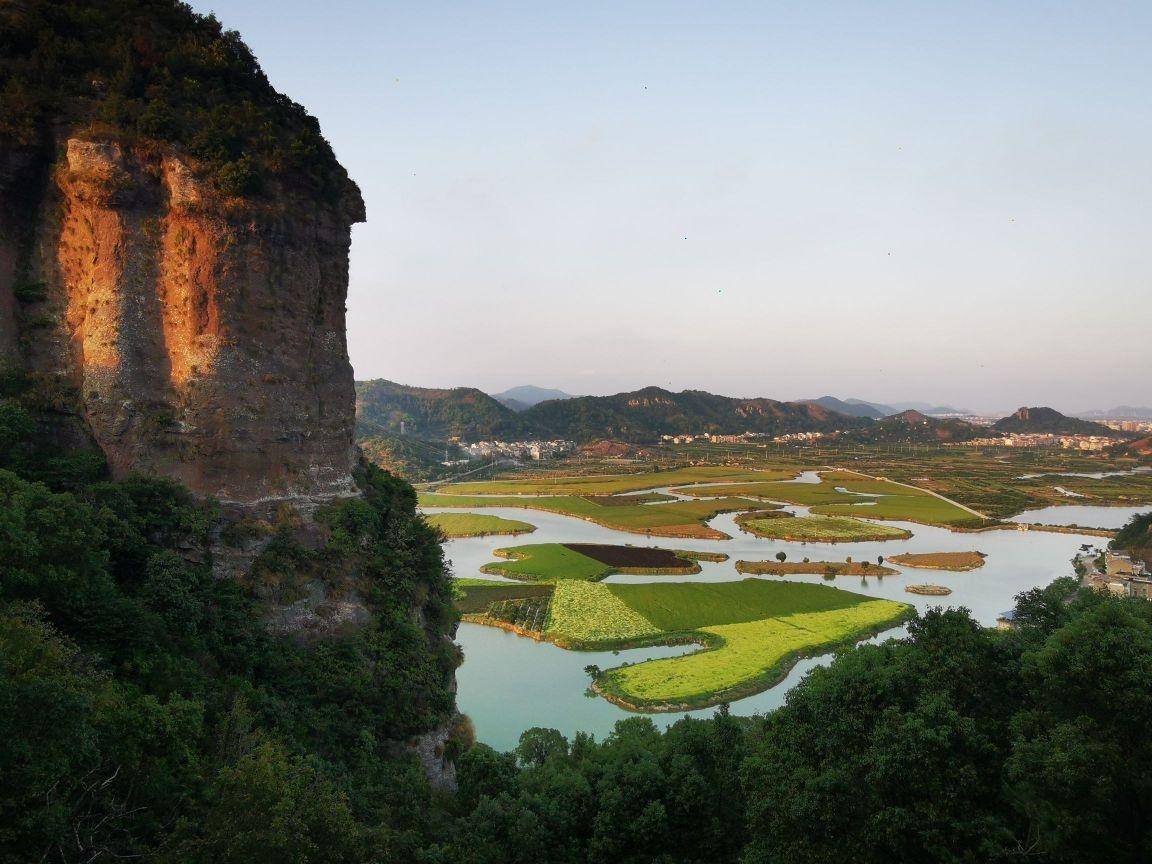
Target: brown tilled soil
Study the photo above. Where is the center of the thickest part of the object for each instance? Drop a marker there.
(628, 557)
(940, 560)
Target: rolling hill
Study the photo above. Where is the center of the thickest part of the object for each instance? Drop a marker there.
(645, 414)
(912, 425)
(525, 396)
(385, 407)
(1052, 422)
(848, 407)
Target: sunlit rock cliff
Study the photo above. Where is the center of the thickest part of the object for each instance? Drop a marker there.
(202, 337)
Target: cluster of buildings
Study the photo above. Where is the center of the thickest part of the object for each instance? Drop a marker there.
(1102, 570)
(793, 437)
(744, 438)
(1040, 439)
(708, 438)
(1112, 571)
(1129, 425)
(518, 449)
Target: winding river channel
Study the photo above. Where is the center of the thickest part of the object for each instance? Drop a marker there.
(509, 683)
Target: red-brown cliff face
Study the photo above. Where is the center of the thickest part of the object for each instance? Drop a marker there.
(200, 337)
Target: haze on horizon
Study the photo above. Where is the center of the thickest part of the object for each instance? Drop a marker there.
(900, 202)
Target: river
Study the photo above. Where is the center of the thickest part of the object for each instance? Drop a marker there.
(509, 683)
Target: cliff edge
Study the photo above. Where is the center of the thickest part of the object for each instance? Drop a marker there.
(184, 298)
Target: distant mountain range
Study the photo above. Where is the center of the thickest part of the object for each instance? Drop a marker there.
(1050, 421)
(385, 408)
(876, 410)
(525, 396)
(1120, 412)
(645, 414)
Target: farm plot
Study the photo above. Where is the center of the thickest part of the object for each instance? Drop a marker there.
(614, 484)
(587, 614)
(956, 561)
(821, 529)
(825, 568)
(671, 519)
(554, 562)
(521, 608)
(843, 493)
(476, 525)
(745, 657)
(753, 631)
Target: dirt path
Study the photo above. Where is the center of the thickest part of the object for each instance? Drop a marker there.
(964, 507)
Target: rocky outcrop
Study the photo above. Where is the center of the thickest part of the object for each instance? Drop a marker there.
(200, 337)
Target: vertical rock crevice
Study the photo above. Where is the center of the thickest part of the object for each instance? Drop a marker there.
(204, 335)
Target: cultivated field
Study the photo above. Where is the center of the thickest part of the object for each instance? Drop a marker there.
(746, 658)
(672, 519)
(824, 568)
(553, 562)
(586, 614)
(822, 529)
(614, 484)
(956, 561)
(476, 525)
(843, 493)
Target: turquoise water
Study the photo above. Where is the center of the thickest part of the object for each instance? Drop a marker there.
(508, 683)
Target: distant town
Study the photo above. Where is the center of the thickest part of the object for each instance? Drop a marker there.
(522, 450)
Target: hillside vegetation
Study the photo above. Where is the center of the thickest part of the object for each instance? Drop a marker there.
(385, 407)
(1048, 420)
(153, 70)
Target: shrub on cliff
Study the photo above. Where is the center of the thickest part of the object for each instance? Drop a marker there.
(156, 70)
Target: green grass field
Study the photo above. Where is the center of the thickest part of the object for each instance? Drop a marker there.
(747, 657)
(476, 525)
(881, 499)
(674, 519)
(753, 629)
(613, 484)
(545, 562)
(675, 606)
(587, 613)
(822, 529)
(555, 562)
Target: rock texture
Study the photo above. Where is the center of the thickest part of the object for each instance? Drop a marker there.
(201, 338)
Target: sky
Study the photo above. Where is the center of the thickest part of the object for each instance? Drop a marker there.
(941, 201)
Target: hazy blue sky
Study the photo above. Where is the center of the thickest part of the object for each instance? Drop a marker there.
(889, 200)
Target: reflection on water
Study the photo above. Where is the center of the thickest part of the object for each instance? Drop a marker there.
(508, 683)
(1081, 515)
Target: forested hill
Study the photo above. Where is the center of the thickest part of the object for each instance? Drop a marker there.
(642, 415)
(1135, 537)
(913, 426)
(384, 407)
(646, 414)
(155, 71)
(1051, 421)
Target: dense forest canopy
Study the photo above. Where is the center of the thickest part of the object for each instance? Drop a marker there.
(146, 710)
(154, 70)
